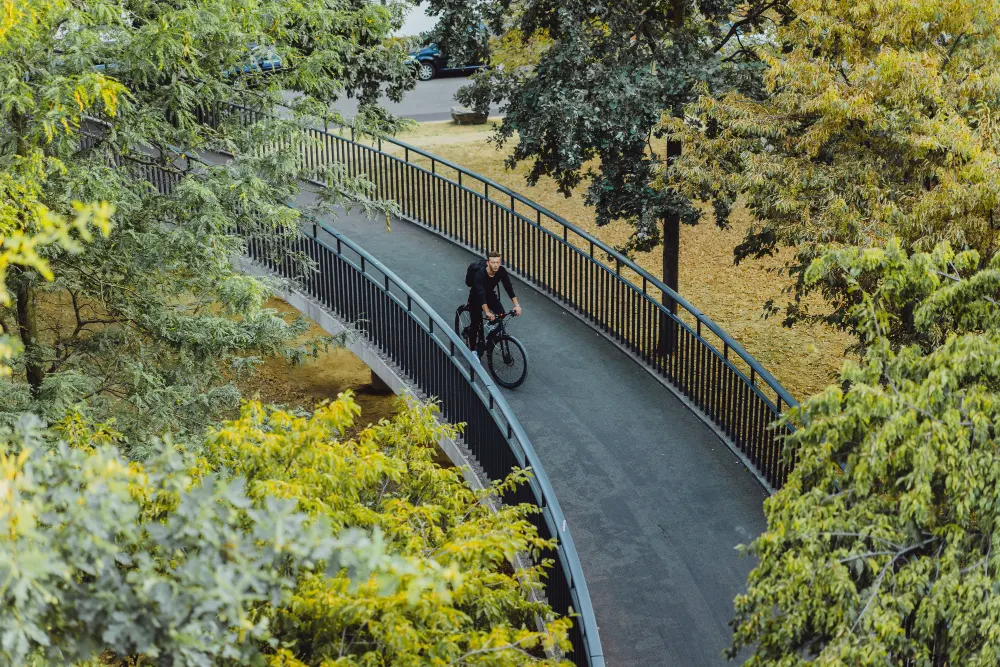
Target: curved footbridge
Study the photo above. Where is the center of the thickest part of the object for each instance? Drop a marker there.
(655, 499)
(649, 422)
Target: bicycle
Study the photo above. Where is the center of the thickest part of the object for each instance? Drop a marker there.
(505, 356)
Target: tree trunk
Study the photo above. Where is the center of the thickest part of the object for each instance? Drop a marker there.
(27, 321)
(671, 262)
(27, 324)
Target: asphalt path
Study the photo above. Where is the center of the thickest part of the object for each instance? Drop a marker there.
(655, 500)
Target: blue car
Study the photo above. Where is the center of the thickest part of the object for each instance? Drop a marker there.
(262, 59)
(428, 62)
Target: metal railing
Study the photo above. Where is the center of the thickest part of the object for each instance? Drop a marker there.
(416, 340)
(411, 336)
(725, 385)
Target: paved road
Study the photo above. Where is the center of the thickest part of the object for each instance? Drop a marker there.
(430, 100)
(655, 500)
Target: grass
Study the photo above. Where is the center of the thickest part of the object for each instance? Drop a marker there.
(804, 359)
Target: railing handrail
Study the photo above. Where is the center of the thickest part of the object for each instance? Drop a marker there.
(632, 286)
(621, 259)
(742, 415)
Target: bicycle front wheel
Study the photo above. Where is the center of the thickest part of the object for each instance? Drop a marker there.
(508, 362)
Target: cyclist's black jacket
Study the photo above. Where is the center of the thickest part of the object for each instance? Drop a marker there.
(485, 286)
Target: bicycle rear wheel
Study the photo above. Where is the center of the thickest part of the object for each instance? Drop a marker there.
(508, 362)
(463, 320)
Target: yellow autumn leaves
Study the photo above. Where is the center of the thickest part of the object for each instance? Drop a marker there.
(876, 122)
(459, 592)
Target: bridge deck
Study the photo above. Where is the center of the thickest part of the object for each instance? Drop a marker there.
(655, 500)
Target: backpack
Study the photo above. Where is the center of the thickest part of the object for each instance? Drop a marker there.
(470, 273)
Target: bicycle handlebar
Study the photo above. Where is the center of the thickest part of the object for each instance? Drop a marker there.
(499, 316)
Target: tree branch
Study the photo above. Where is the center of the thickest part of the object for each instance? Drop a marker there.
(867, 554)
(877, 584)
(653, 46)
(840, 68)
(735, 28)
(951, 51)
(514, 646)
(895, 546)
(167, 168)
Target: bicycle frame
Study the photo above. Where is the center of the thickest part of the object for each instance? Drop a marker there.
(499, 328)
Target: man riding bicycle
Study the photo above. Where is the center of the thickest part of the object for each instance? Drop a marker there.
(484, 298)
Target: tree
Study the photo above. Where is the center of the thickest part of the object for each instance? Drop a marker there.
(385, 479)
(461, 30)
(153, 325)
(610, 70)
(22, 183)
(877, 124)
(160, 560)
(225, 555)
(21, 250)
(879, 548)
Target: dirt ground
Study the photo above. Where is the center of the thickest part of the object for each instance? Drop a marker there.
(804, 359)
(331, 373)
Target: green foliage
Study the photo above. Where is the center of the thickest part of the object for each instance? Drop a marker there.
(879, 548)
(20, 249)
(603, 74)
(152, 326)
(479, 611)
(228, 558)
(892, 298)
(102, 554)
(26, 223)
(153, 331)
(461, 31)
(878, 123)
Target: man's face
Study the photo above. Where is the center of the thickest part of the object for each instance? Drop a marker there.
(493, 263)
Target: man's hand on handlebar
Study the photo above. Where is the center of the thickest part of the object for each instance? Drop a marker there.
(492, 317)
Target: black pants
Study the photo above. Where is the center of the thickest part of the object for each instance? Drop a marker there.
(477, 340)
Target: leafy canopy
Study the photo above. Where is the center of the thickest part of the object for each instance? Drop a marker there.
(226, 557)
(26, 223)
(102, 554)
(599, 76)
(155, 325)
(879, 549)
(877, 123)
(483, 609)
